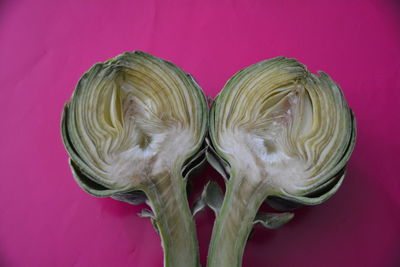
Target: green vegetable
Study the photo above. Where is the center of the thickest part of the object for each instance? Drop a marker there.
(134, 129)
(279, 134)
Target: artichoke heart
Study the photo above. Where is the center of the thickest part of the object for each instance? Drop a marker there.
(132, 120)
(281, 126)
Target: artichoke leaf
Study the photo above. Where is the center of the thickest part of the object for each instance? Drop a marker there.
(133, 197)
(146, 213)
(194, 164)
(273, 220)
(212, 197)
(220, 165)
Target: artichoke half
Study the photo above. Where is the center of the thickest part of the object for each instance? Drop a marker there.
(278, 134)
(134, 129)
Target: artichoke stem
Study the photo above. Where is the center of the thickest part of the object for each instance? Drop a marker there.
(174, 222)
(234, 222)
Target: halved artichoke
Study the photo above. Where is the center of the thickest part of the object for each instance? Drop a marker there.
(134, 129)
(279, 134)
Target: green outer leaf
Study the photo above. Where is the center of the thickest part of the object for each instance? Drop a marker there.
(273, 220)
(194, 163)
(219, 164)
(90, 186)
(315, 200)
(213, 196)
(134, 197)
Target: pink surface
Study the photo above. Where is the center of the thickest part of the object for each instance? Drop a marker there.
(45, 46)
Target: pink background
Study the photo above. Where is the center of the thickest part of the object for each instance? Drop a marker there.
(45, 46)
